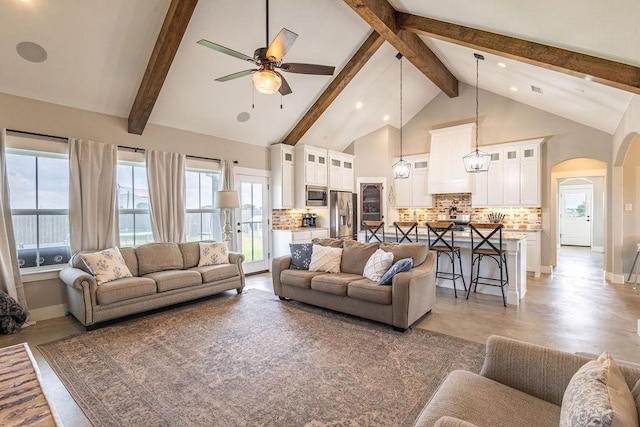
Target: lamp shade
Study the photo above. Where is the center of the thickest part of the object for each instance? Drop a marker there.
(226, 199)
(401, 169)
(267, 81)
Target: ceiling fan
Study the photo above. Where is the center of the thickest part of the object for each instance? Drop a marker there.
(266, 78)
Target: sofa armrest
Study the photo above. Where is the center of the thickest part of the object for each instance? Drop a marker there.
(414, 292)
(77, 278)
(539, 371)
(237, 258)
(81, 293)
(447, 421)
(279, 264)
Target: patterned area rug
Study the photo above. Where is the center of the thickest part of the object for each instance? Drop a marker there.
(252, 359)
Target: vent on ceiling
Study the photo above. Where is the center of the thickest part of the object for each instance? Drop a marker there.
(536, 89)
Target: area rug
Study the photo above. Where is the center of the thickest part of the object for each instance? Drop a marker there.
(253, 360)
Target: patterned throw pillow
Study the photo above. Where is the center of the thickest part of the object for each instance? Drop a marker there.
(598, 395)
(300, 255)
(404, 264)
(213, 253)
(325, 258)
(106, 265)
(377, 265)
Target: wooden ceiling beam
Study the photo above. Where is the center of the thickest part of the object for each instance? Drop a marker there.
(381, 16)
(604, 71)
(173, 29)
(348, 72)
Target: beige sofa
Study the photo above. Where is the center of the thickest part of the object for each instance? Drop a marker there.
(410, 296)
(520, 384)
(163, 274)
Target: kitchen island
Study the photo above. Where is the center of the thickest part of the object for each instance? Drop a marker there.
(514, 243)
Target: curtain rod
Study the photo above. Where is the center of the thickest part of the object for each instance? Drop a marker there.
(42, 135)
(142, 150)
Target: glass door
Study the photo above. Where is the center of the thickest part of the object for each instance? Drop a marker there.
(371, 202)
(253, 222)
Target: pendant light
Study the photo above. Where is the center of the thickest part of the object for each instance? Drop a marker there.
(401, 168)
(477, 161)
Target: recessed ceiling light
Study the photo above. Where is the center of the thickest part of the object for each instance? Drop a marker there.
(513, 89)
(502, 65)
(385, 118)
(359, 105)
(32, 52)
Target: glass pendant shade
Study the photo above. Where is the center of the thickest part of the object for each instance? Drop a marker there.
(266, 81)
(401, 169)
(477, 161)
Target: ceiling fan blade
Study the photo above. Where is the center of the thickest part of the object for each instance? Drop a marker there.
(235, 75)
(323, 70)
(226, 50)
(281, 44)
(285, 89)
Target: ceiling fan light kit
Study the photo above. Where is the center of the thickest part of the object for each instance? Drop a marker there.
(477, 160)
(267, 82)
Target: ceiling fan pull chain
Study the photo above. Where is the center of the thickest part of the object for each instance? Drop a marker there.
(253, 97)
(281, 101)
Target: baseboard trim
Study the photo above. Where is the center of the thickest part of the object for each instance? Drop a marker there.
(597, 249)
(49, 312)
(546, 269)
(614, 278)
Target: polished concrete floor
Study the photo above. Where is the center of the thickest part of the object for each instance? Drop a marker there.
(574, 309)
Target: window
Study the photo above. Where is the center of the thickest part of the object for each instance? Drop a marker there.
(133, 201)
(201, 221)
(38, 174)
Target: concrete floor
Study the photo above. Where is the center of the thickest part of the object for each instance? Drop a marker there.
(574, 309)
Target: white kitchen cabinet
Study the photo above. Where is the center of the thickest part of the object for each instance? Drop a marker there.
(413, 192)
(533, 253)
(446, 172)
(282, 176)
(282, 238)
(511, 180)
(530, 187)
(312, 165)
(341, 171)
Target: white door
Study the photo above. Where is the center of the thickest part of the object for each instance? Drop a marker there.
(575, 215)
(253, 222)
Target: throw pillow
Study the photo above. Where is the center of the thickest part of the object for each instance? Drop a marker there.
(598, 395)
(300, 255)
(213, 253)
(377, 265)
(325, 258)
(106, 265)
(404, 264)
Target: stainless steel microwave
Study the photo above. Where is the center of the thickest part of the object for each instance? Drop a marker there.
(316, 196)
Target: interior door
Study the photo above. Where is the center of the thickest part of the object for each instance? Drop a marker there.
(253, 222)
(575, 215)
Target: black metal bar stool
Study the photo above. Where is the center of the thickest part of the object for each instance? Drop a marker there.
(437, 234)
(373, 227)
(487, 249)
(406, 228)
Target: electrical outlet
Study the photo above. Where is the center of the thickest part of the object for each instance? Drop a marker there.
(628, 207)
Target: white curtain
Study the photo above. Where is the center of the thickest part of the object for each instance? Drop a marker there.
(226, 178)
(93, 208)
(166, 177)
(10, 280)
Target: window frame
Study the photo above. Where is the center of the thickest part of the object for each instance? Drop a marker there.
(132, 159)
(201, 166)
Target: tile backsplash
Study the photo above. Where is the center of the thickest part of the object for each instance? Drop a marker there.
(286, 219)
(521, 218)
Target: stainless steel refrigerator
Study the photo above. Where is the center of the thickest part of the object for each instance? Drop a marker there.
(342, 215)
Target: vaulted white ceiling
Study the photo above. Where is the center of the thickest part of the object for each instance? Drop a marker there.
(98, 51)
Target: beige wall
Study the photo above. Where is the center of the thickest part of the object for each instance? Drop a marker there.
(630, 195)
(42, 117)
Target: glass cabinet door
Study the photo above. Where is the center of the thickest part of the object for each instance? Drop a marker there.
(371, 202)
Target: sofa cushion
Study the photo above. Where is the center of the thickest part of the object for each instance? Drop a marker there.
(377, 265)
(300, 255)
(325, 258)
(131, 259)
(598, 395)
(368, 290)
(106, 265)
(417, 251)
(154, 257)
(190, 254)
(125, 289)
(328, 241)
(212, 273)
(334, 283)
(355, 256)
(298, 278)
(400, 266)
(484, 402)
(175, 279)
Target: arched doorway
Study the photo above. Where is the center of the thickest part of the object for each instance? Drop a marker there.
(631, 208)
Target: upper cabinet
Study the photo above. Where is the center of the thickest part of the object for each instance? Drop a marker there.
(341, 171)
(282, 176)
(412, 192)
(513, 178)
(312, 165)
(446, 172)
